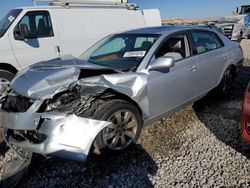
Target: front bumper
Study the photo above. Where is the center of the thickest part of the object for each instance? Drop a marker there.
(66, 136)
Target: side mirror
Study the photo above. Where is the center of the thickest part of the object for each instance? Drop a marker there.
(17, 34)
(162, 63)
(237, 9)
(22, 32)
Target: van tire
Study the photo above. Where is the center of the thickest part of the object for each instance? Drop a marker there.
(6, 76)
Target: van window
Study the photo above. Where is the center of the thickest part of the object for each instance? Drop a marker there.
(38, 23)
(206, 41)
(6, 22)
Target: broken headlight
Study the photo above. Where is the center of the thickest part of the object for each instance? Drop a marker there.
(73, 102)
(60, 101)
(16, 103)
(64, 102)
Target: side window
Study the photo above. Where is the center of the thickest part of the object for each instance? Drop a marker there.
(38, 24)
(176, 47)
(144, 43)
(206, 41)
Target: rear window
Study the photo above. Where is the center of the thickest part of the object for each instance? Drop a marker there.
(206, 41)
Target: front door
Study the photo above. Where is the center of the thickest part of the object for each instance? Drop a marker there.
(41, 43)
(169, 89)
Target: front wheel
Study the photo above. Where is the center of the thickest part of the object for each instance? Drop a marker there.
(6, 76)
(125, 128)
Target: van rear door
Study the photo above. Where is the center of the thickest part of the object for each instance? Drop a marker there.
(42, 42)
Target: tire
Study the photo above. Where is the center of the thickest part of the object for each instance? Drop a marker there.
(13, 168)
(126, 127)
(240, 37)
(248, 36)
(227, 81)
(6, 76)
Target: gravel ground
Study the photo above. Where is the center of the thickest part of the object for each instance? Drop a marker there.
(199, 146)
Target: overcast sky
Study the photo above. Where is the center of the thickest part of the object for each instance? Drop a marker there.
(169, 8)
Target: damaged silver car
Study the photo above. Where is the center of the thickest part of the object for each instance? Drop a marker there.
(68, 107)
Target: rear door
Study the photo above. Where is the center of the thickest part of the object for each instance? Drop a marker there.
(211, 57)
(42, 43)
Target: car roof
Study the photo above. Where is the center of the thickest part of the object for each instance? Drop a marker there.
(168, 29)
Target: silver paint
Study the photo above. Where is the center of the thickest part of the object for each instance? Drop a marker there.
(68, 136)
(156, 92)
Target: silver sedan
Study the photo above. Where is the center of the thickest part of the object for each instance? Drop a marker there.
(65, 107)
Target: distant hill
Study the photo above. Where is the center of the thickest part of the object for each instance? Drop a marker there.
(173, 21)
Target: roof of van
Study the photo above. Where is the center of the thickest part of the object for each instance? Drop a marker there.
(41, 7)
(166, 29)
(60, 7)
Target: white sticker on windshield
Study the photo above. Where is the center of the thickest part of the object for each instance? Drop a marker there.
(135, 54)
(11, 18)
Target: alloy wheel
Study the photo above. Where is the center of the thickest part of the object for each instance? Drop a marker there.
(122, 132)
(227, 81)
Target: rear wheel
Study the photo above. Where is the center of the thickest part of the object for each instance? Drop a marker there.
(125, 128)
(227, 81)
(240, 37)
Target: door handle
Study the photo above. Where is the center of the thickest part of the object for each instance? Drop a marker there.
(58, 50)
(193, 68)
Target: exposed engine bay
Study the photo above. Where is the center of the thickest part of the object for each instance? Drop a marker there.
(52, 113)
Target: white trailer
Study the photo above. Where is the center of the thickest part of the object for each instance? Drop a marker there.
(33, 34)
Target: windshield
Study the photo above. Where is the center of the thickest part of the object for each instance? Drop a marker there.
(123, 51)
(245, 10)
(6, 22)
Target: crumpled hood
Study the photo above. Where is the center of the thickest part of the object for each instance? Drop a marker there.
(43, 80)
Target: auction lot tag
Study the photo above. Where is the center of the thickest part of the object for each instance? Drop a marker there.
(135, 54)
(11, 18)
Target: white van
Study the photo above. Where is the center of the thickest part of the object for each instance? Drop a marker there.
(32, 34)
